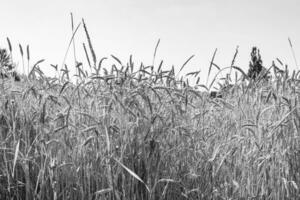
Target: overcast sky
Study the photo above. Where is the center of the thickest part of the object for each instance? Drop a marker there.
(185, 27)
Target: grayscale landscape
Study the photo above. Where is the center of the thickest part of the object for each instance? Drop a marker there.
(149, 100)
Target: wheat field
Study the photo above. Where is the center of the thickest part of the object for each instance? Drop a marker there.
(140, 132)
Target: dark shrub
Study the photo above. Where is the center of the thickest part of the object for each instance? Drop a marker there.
(215, 94)
(16, 76)
(7, 66)
(256, 69)
(6, 63)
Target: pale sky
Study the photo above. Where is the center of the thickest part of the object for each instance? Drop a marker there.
(185, 27)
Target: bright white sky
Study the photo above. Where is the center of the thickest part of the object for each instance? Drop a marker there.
(185, 27)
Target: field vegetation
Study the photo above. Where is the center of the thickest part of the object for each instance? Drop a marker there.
(142, 132)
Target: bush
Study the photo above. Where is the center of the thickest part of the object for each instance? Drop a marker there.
(7, 66)
(256, 69)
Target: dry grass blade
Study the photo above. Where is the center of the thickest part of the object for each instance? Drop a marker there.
(54, 66)
(131, 64)
(90, 43)
(215, 65)
(80, 71)
(74, 49)
(198, 80)
(70, 42)
(211, 64)
(161, 181)
(160, 65)
(28, 53)
(35, 66)
(100, 65)
(88, 140)
(184, 64)
(281, 121)
(293, 52)
(193, 73)
(234, 57)
(63, 87)
(117, 59)
(28, 58)
(240, 70)
(133, 174)
(203, 86)
(221, 162)
(107, 139)
(155, 51)
(16, 157)
(215, 77)
(294, 185)
(9, 45)
(22, 55)
(86, 54)
(43, 113)
(103, 191)
(278, 60)
(21, 50)
(65, 72)
(38, 62)
(214, 154)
